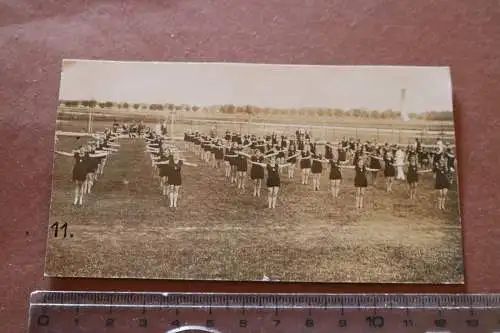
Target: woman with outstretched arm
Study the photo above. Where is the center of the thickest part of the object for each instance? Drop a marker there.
(273, 180)
(80, 169)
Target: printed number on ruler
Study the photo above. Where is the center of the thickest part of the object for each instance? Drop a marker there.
(133, 312)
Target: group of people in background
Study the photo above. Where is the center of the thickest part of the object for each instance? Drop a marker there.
(89, 162)
(257, 156)
(167, 162)
(271, 157)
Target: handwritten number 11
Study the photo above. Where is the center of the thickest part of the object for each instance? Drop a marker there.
(59, 228)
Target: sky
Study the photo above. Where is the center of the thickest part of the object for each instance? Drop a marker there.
(270, 86)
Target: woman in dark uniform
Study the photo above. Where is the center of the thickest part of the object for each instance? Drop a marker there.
(301, 145)
(92, 165)
(229, 156)
(163, 163)
(280, 147)
(232, 161)
(174, 177)
(292, 159)
(389, 170)
(284, 148)
(328, 151)
(375, 157)
(257, 172)
(442, 184)
(218, 154)
(360, 181)
(413, 175)
(317, 169)
(335, 176)
(273, 180)
(342, 153)
(241, 168)
(305, 164)
(109, 147)
(80, 171)
(450, 161)
(227, 165)
(355, 158)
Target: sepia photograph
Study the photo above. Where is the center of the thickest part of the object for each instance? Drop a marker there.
(255, 172)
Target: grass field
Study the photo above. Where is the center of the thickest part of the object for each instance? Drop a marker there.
(125, 229)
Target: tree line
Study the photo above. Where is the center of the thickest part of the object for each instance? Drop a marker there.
(255, 110)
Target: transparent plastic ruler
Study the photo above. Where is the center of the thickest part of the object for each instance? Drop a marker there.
(123, 312)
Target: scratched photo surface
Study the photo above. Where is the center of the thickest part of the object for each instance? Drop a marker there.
(253, 172)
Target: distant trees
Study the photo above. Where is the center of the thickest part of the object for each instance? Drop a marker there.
(89, 104)
(439, 115)
(252, 110)
(156, 107)
(71, 103)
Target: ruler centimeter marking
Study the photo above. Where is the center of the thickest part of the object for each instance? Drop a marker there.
(75, 312)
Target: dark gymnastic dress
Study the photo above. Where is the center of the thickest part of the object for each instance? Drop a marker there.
(257, 171)
(174, 177)
(273, 176)
(241, 163)
(164, 168)
(92, 163)
(232, 159)
(328, 153)
(219, 153)
(317, 167)
(292, 160)
(80, 168)
(412, 175)
(442, 180)
(389, 170)
(305, 162)
(281, 152)
(360, 178)
(335, 170)
(375, 163)
(342, 155)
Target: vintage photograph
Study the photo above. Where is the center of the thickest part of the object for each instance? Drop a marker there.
(255, 172)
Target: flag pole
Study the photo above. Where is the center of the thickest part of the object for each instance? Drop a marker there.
(404, 114)
(172, 122)
(89, 128)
